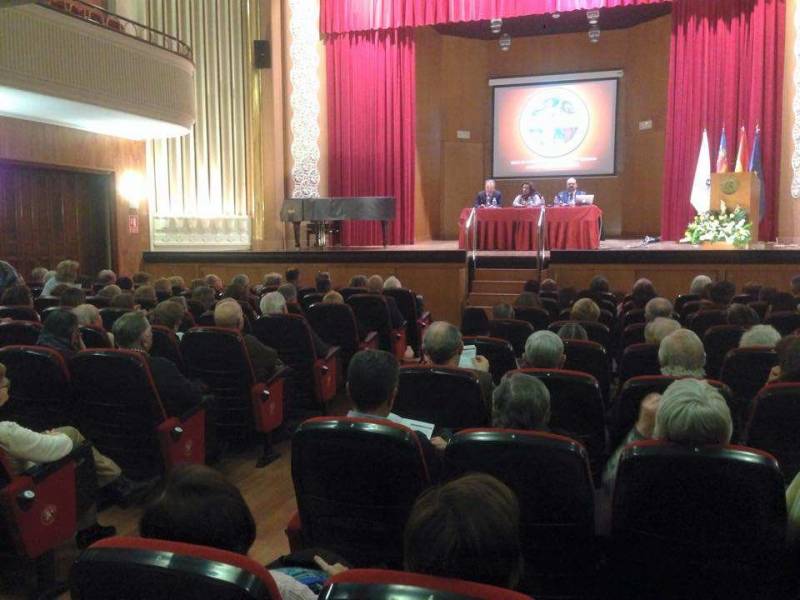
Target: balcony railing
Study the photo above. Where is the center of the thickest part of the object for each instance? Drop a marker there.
(103, 18)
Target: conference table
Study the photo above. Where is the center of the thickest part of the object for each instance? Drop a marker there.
(565, 227)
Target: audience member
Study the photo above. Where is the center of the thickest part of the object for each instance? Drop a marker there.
(657, 307)
(681, 354)
(106, 277)
(145, 296)
(548, 285)
(289, 292)
(788, 367)
(573, 331)
(272, 281)
(125, 283)
(442, 345)
(17, 295)
(59, 289)
(66, 274)
(26, 448)
(205, 296)
(196, 283)
(123, 300)
(163, 289)
(37, 276)
(766, 294)
(109, 292)
(375, 286)
(199, 506)
(466, 529)
(502, 311)
(293, 276)
(169, 314)
(544, 350)
(274, 303)
(60, 332)
(241, 280)
(760, 335)
(700, 285)
(585, 309)
(658, 329)
(228, 313)
(599, 285)
(322, 282)
(132, 331)
(642, 292)
(178, 284)
(521, 402)
(333, 297)
(528, 300)
(358, 281)
(532, 285)
(141, 278)
(721, 293)
(71, 298)
(372, 380)
(215, 283)
(742, 315)
(752, 288)
(392, 283)
(88, 315)
(782, 302)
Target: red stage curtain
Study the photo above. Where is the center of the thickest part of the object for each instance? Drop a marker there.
(726, 68)
(371, 125)
(340, 16)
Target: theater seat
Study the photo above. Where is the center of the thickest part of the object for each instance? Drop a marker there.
(218, 357)
(24, 333)
(538, 317)
(632, 334)
(416, 323)
(589, 357)
(696, 522)
(19, 313)
(701, 321)
(515, 331)
(597, 332)
(637, 360)
(375, 584)
(774, 425)
(445, 396)
(149, 569)
(718, 341)
(786, 322)
(119, 409)
(336, 324)
(356, 481)
(38, 512)
(166, 345)
(498, 352)
(372, 311)
(110, 316)
(94, 338)
(551, 477)
(41, 395)
(745, 371)
(474, 321)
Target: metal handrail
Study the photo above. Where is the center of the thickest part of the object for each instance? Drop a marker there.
(541, 245)
(470, 226)
(141, 31)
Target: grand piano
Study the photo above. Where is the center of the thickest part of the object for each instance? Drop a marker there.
(320, 210)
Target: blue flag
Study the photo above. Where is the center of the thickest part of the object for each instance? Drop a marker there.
(756, 167)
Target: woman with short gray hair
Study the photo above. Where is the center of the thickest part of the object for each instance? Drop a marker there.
(521, 402)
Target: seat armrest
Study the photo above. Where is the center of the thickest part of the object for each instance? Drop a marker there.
(183, 440)
(188, 414)
(42, 471)
(425, 318)
(332, 352)
(370, 341)
(280, 373)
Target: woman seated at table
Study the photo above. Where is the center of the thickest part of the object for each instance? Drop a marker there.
(527, 197)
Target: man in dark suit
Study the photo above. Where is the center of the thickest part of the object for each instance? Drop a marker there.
(568, 196)
(228, 313)
(489, 196)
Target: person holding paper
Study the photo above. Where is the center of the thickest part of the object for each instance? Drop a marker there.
(442, 346)
(372, 380)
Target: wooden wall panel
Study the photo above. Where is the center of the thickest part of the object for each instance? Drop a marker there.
(51, 145)
(788, 208)
(442, 285)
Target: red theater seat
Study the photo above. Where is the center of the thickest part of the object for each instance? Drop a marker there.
(498, 352)
(19, 333)
(148, 569)
(375, 584)
(416, 323)
(166, 345)
(372, 311)
(774, 425)
(95, 338)
(336, 324)
(19, 313)
(119, 409)
(515, 331)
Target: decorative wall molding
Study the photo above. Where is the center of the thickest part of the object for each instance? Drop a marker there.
(304, 76)
(795, 189)
(200, 233)
(49, 53)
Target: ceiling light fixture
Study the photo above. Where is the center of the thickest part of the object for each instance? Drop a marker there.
(495, 25)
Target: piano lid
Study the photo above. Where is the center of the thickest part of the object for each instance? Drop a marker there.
(357, 208)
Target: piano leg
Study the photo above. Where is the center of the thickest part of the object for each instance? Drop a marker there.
(296, 227)
(384, 225)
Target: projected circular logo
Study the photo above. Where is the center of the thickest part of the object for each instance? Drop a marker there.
(554, 122)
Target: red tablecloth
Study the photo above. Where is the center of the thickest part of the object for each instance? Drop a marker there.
(567, 227)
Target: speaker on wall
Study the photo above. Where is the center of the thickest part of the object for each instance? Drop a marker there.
(261, 54)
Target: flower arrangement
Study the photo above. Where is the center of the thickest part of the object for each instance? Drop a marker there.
(731, 227)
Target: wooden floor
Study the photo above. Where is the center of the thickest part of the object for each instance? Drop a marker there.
(269, 493)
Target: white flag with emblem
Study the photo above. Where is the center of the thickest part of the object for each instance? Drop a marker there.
(701, 188)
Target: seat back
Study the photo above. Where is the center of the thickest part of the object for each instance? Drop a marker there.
(639, 359)
(310, 298)
(94, 338)
(786, 322)
(217, 356)
(372, 311)
(774, 425)
(41, 391)
(474, 321)
(633, 316)
(597, 332)
(718, 511)
(119, 409)
(592, 358)
(682, 299)
(576, 407)
(110, 316)
(166, 345)
(98, 301)
(745, 371)
(43, 302)
(143, 569)
(538, 317)
(19, 313)
(632, 334)
(336, 324)
(24, 333)
(375, 584)
(550, 305)
(551, 478)
(498, 352)
(355, 481)
(700, 321)
(718, 341)
(406, 301)
(346, 292)
(761, 307)
(448, 397)
(689, 308)
(513, 330)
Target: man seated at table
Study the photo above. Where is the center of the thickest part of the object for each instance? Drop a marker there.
(569, 196)
(527, 197)
(489, 196)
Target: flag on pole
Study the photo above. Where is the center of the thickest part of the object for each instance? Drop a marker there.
(701, 188)
(741, 154)
(722, 155)
(756, 167)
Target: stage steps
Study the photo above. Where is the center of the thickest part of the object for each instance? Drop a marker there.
(493, 286)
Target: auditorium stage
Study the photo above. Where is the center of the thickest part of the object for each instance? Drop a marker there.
(443, 273)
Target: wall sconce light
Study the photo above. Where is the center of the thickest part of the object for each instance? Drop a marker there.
(495, 25)
(131, 187)
(593, 16)
(505, 42)
(594, 34)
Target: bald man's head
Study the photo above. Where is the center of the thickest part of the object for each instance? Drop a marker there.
(228, 313)
(442, 343)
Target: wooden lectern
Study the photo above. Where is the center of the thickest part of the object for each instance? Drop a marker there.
(738, 189)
